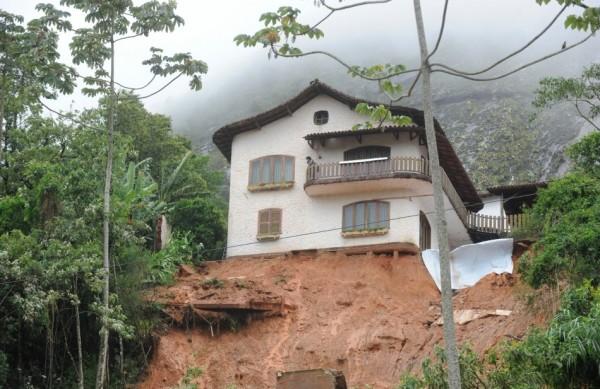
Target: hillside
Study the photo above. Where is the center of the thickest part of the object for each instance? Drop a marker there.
(371, 316)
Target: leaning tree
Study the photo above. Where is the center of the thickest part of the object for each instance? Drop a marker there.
(282, 30)
(109, 22)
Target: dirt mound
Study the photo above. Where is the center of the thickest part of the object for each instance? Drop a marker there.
(371, 316)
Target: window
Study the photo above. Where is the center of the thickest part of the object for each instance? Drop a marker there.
(425, 232)
(366, 216)
(274, 171)
(269, 224)
(367, 152)
(321, 117)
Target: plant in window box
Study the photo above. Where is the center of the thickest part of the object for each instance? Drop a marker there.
(365, 232)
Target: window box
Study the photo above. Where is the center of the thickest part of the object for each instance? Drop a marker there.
(266, 238)
(267, 187)
(363, 233)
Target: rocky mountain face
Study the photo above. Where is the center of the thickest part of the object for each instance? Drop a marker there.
(493, 126)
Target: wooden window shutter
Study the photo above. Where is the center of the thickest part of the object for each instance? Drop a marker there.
(263, 222)
(275, 225)
(269, 222)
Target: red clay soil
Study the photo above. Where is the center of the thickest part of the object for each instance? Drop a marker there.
(368, 316)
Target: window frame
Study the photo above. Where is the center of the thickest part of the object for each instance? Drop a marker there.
(380, 149)
(271, 185)
(270, 234)
(365, 230)
(424, 232)
(319, 120)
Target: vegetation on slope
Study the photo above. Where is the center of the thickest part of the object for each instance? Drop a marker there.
(566, 354)
(50, 246)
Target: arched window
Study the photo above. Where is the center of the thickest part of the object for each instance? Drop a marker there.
(321, 117)
(367, 152)
(366, 216)
(269, 224)
(271, 170)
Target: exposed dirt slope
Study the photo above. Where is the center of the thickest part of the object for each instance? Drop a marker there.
(370, 317)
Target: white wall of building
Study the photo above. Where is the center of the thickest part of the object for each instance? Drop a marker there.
(303, 214)
(492, 206)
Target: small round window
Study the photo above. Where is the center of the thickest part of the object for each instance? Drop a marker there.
(321, 117)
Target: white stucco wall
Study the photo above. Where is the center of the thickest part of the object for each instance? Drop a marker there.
(319, 219)
(492, 206)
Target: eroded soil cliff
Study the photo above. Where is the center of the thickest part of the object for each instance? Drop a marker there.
(371, 316)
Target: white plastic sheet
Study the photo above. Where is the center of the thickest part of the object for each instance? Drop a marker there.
(472, 262)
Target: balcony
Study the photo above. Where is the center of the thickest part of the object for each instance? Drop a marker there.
(377, 174)
(485, 227)
(364, 170)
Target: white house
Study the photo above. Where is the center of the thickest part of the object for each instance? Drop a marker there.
(302, 178)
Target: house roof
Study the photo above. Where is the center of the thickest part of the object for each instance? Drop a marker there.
(517, 188)
(223, 137)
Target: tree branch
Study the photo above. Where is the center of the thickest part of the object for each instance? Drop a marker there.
(443, 25)
(461, 75)
(128, 37)
(137, 88)
(70, 117)
(410, 89)
(502, 60)
(341, 62)
(324, 3)
(587, 119)
(162, 88)
(106, 82)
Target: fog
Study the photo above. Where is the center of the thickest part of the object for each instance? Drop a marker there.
(243, 81)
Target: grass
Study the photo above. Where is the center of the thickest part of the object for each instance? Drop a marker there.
(213, 283)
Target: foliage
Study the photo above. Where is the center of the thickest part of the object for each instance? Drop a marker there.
(279, 35)
(565, 355)
(434, 374)
(164, 263)
(204, 218)
(50, 251)
(213, 283)
(589, 19)
(190, 375)
(585, 154)
(583, 92)
(567, 217)
(4, 370)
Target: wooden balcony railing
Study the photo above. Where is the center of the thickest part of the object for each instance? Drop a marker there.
(367, 169)
(501, 225)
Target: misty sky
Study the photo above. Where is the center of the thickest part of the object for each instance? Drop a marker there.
(477, 30)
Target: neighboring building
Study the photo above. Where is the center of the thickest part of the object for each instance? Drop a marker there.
(302, 178)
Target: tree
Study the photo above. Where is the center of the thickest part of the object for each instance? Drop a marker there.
(110, 23)
(29, 67)
(279, 35)
(583, 92)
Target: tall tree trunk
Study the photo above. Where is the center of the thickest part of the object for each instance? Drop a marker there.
(1, 128)
(103, 352)
(78, 334)
(50, 336)
(440, 213)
